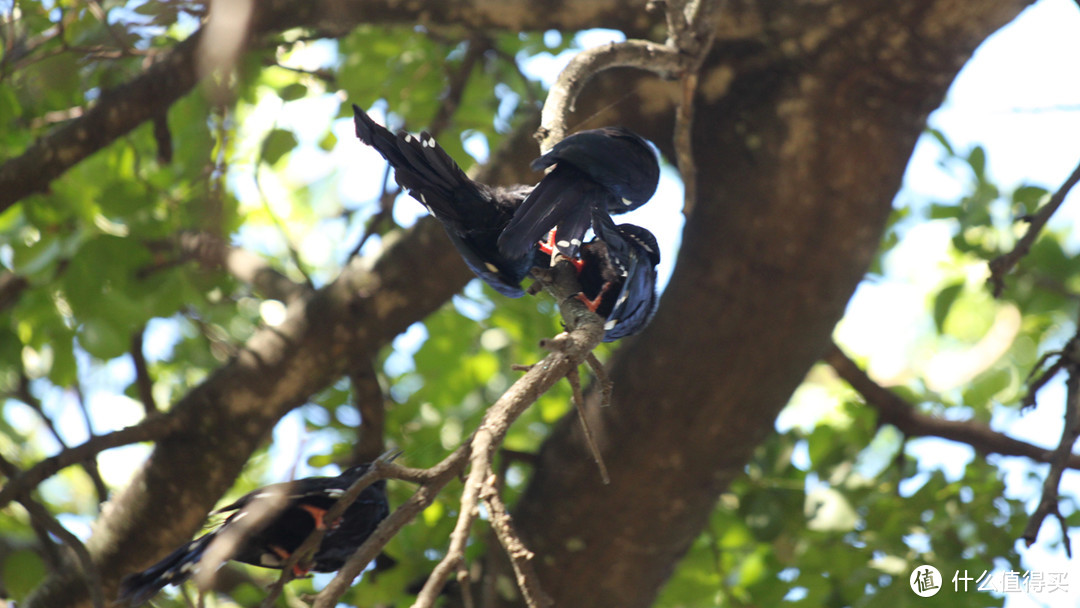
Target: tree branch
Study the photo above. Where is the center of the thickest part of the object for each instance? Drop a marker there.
(41, 517)
(520, 556)
(175, 72)
(1069, 360)
(117, 112)
(641, 54)
(899, 413)
(228, 415)
(148, 430)
(569, 350)
(143, 382)
(431, 482)
(369, 401)
(215, 252)
(11, 286)
(1003, 264)
(1059, 461)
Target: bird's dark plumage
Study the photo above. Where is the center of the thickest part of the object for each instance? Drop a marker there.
(473, 214)
(302, 504)
(618, 276)
(611, 169)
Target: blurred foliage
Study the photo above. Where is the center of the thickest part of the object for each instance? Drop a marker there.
(832, 512)
(838, 510)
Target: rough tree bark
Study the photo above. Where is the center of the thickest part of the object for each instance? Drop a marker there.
(808, 113)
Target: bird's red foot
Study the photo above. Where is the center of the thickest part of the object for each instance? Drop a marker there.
(317, 514)
(284, 555)
(550, 249)
(594, 303)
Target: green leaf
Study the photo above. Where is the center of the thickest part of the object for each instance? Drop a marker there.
(293, 92)
(277, 144)
(23, 571)
(328, 142)
(984, 387)
(977, 159)
(941, 139)
(103, 338)
(940, 211)
(943, 303)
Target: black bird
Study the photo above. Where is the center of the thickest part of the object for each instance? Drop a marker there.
(304, 502)
(610, 169)
(618, 276)
(472, 213)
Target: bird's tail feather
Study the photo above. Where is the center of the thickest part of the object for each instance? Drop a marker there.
(420, 165)
(176, 567)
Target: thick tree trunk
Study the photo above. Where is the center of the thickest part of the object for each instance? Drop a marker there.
(804, 127)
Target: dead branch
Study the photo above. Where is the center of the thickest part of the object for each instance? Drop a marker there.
(520, 555)
(1003, 264)
(579, 404)
(568, 350)
(641, 54)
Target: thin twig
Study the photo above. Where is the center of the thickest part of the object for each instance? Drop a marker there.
(244, 265)
(520, 556)
(41, 516)
(1034, 386)
(568, 350)
(606, 385)
(294, 254)
(579, 404)
(24, 394)
(386, 209)
(464, 581)
(90, 464)
(369, 400)
(150, 429)
(1003, 264)
(82, 556)
(901, 414)
(451, 100)
(1048, 504)
(143, 382)
(431, 483)
(307, 549)
(692, 35)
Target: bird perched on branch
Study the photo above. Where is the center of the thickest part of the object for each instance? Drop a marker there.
(266, 526)
(609, 170)
(618, 276)
(472, 213)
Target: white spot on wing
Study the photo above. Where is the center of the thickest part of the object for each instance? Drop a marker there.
(628, 203)
(269, 559)
(564, 243)
(610, 325)
(491, 267)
